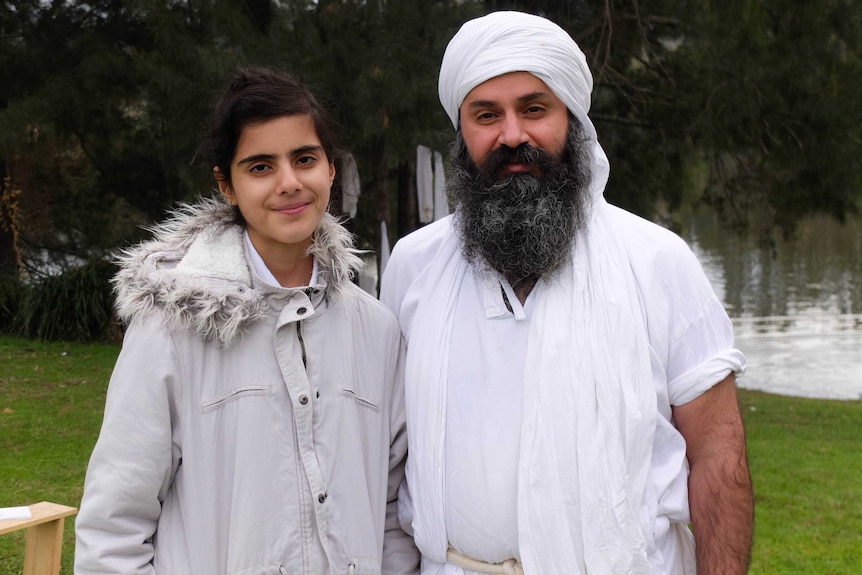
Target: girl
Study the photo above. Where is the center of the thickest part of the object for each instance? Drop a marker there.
(254, 422)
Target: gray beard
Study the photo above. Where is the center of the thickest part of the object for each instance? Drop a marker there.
(523, 226)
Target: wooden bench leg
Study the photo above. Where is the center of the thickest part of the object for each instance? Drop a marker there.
(44, 527)
(44, 546)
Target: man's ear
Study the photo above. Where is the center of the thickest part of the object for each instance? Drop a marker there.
(223, 186)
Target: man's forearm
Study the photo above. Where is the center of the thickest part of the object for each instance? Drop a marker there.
(722, 514)
(719, 484)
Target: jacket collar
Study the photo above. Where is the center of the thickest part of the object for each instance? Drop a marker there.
(194, 271)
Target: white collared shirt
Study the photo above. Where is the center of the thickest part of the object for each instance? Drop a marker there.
(483, 426)
(263, 272)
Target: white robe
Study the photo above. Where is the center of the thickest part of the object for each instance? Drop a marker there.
(629, 329)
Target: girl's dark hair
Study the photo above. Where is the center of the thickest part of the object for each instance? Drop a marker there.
(254, 96)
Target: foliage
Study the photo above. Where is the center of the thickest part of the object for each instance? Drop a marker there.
(75, 305)
(10, 298)
(754, 107)
(778, 114)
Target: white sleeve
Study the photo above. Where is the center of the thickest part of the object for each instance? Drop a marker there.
(135, 457)
(698, 342)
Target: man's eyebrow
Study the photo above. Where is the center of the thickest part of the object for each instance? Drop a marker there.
(482, 104)
(533, 96)
(521, 99)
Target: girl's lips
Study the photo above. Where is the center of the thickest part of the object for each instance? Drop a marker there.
(292, 209)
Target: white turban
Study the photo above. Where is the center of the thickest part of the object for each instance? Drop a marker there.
(504, 42)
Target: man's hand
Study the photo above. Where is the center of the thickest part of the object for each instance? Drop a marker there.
(719, 484)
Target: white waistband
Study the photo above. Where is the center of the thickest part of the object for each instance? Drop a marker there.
(507, 567)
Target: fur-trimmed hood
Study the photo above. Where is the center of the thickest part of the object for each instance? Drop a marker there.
(194, 270)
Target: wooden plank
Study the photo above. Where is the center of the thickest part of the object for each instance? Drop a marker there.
(44, 547)
(44, 536)
(40, 512)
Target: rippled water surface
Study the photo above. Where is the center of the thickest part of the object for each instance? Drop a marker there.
(796, 308)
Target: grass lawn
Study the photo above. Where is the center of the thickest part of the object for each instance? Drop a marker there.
(805, 455)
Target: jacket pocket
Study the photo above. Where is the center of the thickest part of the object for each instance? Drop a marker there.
(361, 400)
(220, 401)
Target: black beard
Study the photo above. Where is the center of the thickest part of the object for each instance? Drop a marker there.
(523, 225)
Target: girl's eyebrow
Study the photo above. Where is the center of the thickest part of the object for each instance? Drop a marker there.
(256, 158)
(306, 149)
(269, 157)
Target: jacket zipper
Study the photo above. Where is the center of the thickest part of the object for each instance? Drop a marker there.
(300, 468)
(300, 472)
(301, 344)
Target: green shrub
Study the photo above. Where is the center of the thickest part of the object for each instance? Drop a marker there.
(10, 300)
(76, 305)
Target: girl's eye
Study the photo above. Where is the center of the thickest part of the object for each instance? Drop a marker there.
(258, 168)
(305, 160)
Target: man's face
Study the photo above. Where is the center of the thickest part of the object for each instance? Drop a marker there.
(521, 224)
(510, 110)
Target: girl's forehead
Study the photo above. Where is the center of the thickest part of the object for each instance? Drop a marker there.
(279, 134)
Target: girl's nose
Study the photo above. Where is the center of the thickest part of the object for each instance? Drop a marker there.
(289, 182)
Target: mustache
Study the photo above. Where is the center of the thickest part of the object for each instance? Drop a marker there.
(496, 160)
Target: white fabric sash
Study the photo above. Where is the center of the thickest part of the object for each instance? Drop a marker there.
(589, 410)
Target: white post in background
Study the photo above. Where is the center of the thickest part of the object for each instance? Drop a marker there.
(425, 183)
(349, 185)
(441, 205)
(384, 247)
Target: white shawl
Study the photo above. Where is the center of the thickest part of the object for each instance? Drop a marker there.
(581, 479)
(589, 409)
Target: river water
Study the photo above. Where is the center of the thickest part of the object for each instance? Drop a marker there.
(796, 307)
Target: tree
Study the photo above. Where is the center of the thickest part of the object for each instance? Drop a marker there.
(751, 107)
(776, 108)
(754, 108)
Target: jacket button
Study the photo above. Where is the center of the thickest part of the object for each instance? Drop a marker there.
(321, 498)
(301, 311)
(303, 399)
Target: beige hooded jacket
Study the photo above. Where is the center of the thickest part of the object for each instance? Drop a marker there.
(249, 429)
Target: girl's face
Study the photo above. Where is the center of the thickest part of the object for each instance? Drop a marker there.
(280, 181)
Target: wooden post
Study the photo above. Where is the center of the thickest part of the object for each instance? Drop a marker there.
(44, 536)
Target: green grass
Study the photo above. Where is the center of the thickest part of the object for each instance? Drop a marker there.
(51, 401)
(806, 464)
(805, 455)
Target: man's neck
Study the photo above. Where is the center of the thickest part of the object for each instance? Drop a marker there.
(523, 287)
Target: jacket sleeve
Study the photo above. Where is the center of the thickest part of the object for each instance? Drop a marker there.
(400, 555)
(135, 457)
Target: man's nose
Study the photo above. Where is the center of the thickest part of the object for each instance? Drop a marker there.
(512, 132)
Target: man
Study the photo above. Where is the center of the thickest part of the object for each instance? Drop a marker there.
(570, 372)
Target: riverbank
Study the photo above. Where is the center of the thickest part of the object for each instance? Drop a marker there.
(796, 306)
(805, 457)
